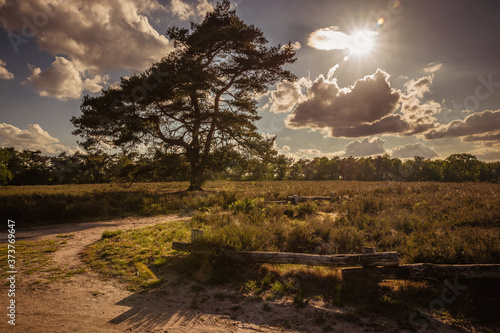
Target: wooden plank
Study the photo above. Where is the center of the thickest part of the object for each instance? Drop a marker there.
(425, 272)
(339, 260)
(296, 199)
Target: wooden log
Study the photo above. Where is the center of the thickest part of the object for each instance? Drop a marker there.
(339, 260)
(278, 202)
(425, 272)
(295, 199)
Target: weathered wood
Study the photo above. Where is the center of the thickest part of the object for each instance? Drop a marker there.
(278, 202)
(296, 199)
(367, 249)
(195, 234)
(425, 272)
(339, 260)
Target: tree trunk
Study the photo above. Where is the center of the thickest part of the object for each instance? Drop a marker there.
(196, 178)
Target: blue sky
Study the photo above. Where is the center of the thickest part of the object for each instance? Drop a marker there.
(400, 77)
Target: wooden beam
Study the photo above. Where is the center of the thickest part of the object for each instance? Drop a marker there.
(338, 260)
(425, 272)
(296, 199)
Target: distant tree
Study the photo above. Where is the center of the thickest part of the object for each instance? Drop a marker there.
(348, 168)
(67, 168)
(198, 100)
(29, 167)
(462, 167)
(365, 169)
(325, 169)
(297, 170)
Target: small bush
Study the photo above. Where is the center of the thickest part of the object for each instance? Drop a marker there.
(110, 234)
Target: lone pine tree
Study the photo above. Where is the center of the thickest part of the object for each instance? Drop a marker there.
(198, 101)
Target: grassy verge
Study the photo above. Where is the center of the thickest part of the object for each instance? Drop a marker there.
(35, 259)
(137, 257)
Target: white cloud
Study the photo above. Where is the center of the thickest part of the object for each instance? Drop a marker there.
(95, 35)
(296, 46)
(332, 38)
(365, 147)
(329, 39)
(413, 149)
(32, 138)
(4, 72)
(433, 67)
(186, 11)
(487, 154)
(62, 80)
(415, 111)
(286, 96)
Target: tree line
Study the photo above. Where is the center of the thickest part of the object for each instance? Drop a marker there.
(29, 167)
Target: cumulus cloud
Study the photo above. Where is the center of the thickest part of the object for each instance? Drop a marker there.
(487, 154)
(95, 35)
(413, 149)
(484, 122)
(4, 72)
(32, 138)
(364, 109)
(486, 139)
(186, 11)
(420, 114)
(62, 80)
(310, 153)
(331, 38)
(365, 147)
(286, 96)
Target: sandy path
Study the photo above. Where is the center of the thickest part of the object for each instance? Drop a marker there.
(86, 303)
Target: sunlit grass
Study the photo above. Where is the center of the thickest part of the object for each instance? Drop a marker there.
(134, 255)
(35, 258)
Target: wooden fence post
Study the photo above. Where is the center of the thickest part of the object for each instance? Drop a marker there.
(195, 234)
(367, 250)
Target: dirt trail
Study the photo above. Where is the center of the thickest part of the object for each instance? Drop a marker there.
(86, 303)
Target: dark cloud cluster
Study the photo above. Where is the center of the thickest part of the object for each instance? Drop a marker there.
(477, 123)
(366, 108)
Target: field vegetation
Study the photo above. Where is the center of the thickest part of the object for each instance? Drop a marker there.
(423, 222)
(452, 223)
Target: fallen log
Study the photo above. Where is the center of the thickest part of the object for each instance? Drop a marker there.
(338, 260)
(296, 199)
(424, 272)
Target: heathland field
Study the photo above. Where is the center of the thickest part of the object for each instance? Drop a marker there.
(425, 222)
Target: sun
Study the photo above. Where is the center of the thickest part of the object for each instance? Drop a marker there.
(361, 42)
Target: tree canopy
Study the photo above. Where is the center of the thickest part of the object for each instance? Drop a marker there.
(199, 101)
